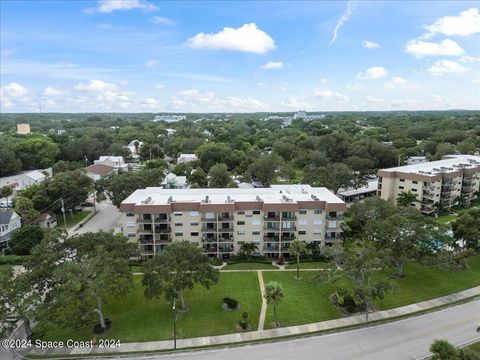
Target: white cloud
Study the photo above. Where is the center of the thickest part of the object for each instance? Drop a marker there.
(273, 65)
(7, 53)
(329, 95)
(96, 85)
(370, 45)
(372, 100)
(160, 86)
(194, 100)
(469, 59)
(374, 72)
(425, 48)
(466, 23)
(108, 6)
(247, 38)
(160, 20)
(13, 90)
(151, 63)
(51, 91)
(151, 103)
(295, 103)
(395, 82)
(351, 5)
(354, 87)
(446, 66)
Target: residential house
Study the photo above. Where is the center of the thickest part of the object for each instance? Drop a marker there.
(115, 161)
(184, 158)
(9, 222)
(25, 179)
(47, 221)
(412, 160)
(173, 181)
(23, 129)
(96, 171)
(134, 150)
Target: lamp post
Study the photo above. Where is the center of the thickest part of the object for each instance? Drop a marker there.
(174, 326)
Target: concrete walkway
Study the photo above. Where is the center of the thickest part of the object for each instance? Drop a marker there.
(263, 311)
(265, 334)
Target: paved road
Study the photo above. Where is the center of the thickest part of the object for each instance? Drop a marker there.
(399, 340)
(106, 219)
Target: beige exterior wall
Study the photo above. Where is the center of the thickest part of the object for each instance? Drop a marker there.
(23, 129)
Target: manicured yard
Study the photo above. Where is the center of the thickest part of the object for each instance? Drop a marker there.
(475, 347)
(308, 265)
(138, 319)
(71, 221)
(423, 283)
(444, 219)
(303, 302)
(136, 268)
(248, 266)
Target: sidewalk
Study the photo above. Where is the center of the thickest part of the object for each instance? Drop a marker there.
(266, 334)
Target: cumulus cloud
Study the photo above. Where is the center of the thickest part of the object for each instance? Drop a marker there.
(395, 82)
(51, 91)
(421, 48)
(469, 59)
(13, 90)
(370, 45)
(160, 86)
(466, 23)
(354, 87)
(151, 103)
(108, 6)
(247, 38)
(351, 5)
(446, 66)
(329, 95)
(160, 20)
(194, 100)
(271, 65)
(95, 86)
(295, 103)
(374, 72)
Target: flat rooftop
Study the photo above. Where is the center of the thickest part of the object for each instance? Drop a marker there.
(274, 194)
(450, 163)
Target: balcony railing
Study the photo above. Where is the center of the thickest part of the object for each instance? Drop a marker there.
(267, 217)
(144, 221)
(163, 230)
(209, 229)
(161, 220)
(224, 230)
(271, 239)
(209, 219)
(336, 218)
(225, 217)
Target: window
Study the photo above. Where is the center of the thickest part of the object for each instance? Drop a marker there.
(130, 224)
(317, 222)
(303, 212)
(256, 222)
(178, 224)
(240, 232)
(414, 182)
(130, 214)
(332, 224)
(240, 212)
(379, 186)
(210, 215)
(178, 234)
(131, 235)
(194, 223)
(240, 222)
(401, 187)
(380, 179)
(402, 180)
(240, 242)
(302, 233)
(194, 234)
(193, 213)
(414, 190)
(256, 212)
(317, 232)
(317, 211)
(302, 222)
(177, 214)
(255, 232)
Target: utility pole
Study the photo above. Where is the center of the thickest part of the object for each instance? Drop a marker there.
(174, 326)
(63, 211)
(94, 201)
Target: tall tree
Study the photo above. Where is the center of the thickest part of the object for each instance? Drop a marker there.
(5, 192)
(467, 228)
(297, 249)
(274, 294)
(219, 176)
(9, 163)
(25, 239)
(25, 208)
(36, 152)
(406, 198)
(333, 176)
(248, 249)
(179, 266)
(265, 168)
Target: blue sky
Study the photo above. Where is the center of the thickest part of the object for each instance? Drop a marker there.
(149, 56)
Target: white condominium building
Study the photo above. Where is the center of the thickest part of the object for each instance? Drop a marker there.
(438, 184)
(220, 221)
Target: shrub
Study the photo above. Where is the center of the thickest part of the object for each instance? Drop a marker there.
(243, 324)
(281, 260)
(216, 261)
(13, 259)
(231, 303)
(245, 316)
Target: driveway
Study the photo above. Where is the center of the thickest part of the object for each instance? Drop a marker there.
(105, 219)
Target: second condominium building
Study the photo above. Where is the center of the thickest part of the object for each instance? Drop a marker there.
(438, 184)
(220, 221)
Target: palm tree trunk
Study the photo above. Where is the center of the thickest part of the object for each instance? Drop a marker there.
(298, 266)
(275, 318)
(183, 305)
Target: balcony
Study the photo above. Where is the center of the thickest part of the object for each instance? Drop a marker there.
(271, 217)
(289, 229)
(270, 248)
(209, 219)
(225, 249)
(209, 239)
(335, 217)
(225, 229)
(163, 229)
(209, 229)
(291, 217)
(225, 217)
(160, 220)
(141, 231)
(271, 238)
(144, 221)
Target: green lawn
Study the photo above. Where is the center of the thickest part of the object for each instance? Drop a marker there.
(308, 265)
(136, 268)
(248, 266)
(423, 283)
(136, 319)
(303, 302)
(72, 221)
(444, 219)
(475, 347)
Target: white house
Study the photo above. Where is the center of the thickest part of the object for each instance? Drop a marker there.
(115, 161)
(171, 132)
(47, 221)
(96, 171)
(25, 179)
(173, 181)
(133, 149)
(412, 160)
(184, 158)
(169, 118)
(9, 222)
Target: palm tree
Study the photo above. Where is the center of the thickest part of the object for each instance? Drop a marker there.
(274, 294)
(5, 192)
(406, 198)
(312, 250)
(248, 249)
(297, 248)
